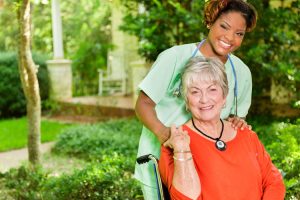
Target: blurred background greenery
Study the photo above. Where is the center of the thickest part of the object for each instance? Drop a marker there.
(271, 51)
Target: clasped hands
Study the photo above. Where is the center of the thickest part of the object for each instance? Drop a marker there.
(178, 140)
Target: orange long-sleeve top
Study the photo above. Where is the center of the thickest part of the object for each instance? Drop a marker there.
(244, 171)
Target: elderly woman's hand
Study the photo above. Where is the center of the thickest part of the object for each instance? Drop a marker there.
(237, 122)
(179, 139)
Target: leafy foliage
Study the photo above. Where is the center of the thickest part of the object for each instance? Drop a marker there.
(163, 24)
(26, 182)
(12, 102)
(282, 141)
(8, 19)
(86, 36)
(87, 41)
(272, 50)
(108, 179)
(111, 146)
(107, 176)
(42, 31)
(94, 141)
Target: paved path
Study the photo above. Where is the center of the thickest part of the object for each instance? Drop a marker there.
(15, 158)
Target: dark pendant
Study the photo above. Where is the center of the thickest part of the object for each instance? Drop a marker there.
(221, 146)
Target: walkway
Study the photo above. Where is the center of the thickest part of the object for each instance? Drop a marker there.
(15, 158)
(78, 109)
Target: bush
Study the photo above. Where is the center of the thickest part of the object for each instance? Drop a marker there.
(286, 155)
(25, 183)
(282, 141)
(12, 102)
(108, 179)
(93, 141)
(112, 148)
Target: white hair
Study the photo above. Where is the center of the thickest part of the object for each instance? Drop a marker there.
(204, 69)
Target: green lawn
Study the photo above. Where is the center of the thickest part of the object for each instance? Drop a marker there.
(13, 132)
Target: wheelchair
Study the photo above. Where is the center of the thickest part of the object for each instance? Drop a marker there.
(162, 191)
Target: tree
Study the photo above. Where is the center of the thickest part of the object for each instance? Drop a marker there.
(272, 50)
(28, 75)
(82, 21)
(161, 24)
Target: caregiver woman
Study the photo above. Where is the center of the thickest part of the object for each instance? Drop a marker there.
(160, 103)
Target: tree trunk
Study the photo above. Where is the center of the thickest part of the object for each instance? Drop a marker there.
(28, 75)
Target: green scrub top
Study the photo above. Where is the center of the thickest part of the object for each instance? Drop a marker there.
(161, 82)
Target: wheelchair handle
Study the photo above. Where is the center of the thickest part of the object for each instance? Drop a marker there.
(144, 159)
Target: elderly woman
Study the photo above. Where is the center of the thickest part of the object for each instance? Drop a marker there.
(209, 159)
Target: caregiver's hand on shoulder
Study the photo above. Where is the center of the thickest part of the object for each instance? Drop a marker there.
(238, 122)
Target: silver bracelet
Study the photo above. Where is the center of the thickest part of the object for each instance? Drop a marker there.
(182, 159)
(182, 151)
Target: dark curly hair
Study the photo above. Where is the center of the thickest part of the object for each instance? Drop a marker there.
(215, 8)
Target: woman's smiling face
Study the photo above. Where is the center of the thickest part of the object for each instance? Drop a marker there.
(226, 33)
(205, 100)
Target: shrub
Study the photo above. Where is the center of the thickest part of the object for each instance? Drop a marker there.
(111, 146)
(286, 154)
(282, 141)
(108, 179)
(93, 141)
(12, 102)
(25, 183)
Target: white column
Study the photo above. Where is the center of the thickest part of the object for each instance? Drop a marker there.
(59, 69)
(60, 77)
(58, 52)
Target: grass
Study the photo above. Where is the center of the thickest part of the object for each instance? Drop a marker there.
(13, 132)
